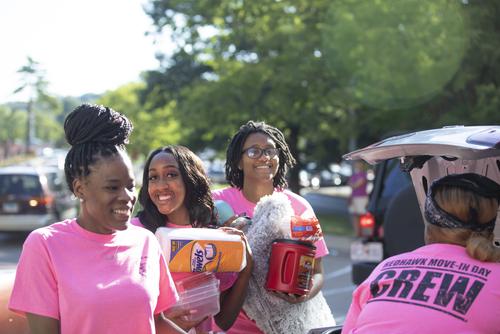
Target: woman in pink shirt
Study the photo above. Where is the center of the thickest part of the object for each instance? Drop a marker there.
(95, 273)
(450, 285)
(257, 162)
(176, 193)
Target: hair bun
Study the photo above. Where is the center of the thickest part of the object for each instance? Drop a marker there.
(92, 123)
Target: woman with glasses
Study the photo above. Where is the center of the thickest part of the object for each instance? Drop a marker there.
(257, 160)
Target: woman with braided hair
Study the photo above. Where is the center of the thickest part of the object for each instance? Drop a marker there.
(96, 273)
(450, 285)
(257, 161)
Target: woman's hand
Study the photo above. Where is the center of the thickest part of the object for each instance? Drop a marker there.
(178, 315)
(249, 257)
(290, 297)
(314, 287)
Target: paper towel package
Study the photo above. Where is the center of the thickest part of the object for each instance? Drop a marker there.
(201, 249)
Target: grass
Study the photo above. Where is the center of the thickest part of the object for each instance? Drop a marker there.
(336, 225)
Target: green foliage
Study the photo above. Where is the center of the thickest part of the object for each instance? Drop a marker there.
(151, 129)
(39, 105)
(330, 73)
(394, 54)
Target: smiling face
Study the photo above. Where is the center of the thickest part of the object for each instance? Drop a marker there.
(108, 194)
(166, 188)
(262, 169)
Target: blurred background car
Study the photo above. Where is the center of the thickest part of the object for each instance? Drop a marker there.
(333, 175)
(32, 197)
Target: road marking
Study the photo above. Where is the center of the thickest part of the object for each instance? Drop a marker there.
(338, 291)
(336, 273)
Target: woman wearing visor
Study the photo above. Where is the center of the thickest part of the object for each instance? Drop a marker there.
(450, 284)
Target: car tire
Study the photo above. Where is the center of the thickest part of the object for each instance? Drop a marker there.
(361, 271)
(403, 223)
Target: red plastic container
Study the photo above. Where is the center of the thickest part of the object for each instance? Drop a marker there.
(290, 266)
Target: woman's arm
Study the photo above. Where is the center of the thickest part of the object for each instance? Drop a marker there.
(40, 324)
(232, 299)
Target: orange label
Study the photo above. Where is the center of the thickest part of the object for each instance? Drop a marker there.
(306, 266)
(305, 228)
(205, 255)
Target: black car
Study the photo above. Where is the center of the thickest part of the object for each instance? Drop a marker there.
(392, 195)
(406, 165)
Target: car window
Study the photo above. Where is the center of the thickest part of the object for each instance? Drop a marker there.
(395, 179)
(12, 184)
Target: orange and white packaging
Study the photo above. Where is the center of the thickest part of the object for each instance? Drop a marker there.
(201, 249)
(307, 229)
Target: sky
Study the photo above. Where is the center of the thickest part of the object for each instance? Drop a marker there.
(84, 46)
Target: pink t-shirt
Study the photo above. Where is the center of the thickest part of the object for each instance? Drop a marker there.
(226, 279)
(437, 288)
(93, 283)
(235, 198)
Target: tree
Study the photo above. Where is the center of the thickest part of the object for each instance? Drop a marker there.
(34, 84)
(329, 71)
(11, 129)
(266, 67)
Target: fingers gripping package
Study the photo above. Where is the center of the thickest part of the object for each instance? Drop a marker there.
(201, 249)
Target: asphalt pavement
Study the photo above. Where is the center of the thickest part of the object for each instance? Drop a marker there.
(331, 200)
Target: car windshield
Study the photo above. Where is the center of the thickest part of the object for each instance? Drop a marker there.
(14, 184)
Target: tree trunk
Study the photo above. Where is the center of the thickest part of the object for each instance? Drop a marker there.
(293, 140)
(30, 126)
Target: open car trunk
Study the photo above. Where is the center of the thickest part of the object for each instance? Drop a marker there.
(432, 154)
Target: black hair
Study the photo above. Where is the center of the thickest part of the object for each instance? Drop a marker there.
(234, 175)
(93, 131)
(198, 199)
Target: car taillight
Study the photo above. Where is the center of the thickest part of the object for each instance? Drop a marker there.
(40, 205)
(366, 225)
(44, 201)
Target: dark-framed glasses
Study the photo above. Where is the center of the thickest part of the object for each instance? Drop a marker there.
(256, 152)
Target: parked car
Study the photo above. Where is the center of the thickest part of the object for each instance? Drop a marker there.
(426, 156)
(394, 222)
(32, 197)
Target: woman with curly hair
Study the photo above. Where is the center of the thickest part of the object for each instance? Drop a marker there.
(176, 194)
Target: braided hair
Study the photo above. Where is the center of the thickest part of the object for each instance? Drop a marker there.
(234, 175)
(93, 131)
(198, 199)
